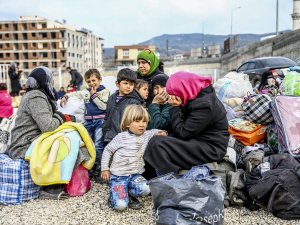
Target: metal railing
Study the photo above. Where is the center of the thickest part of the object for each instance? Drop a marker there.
(4, 78)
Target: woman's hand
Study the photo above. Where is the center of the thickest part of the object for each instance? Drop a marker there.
(174, 100)
(162, 133)
(105, 175)
(63, 101)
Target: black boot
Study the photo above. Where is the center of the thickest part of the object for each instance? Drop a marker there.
(134, 203)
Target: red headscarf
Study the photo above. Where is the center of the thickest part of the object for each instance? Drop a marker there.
(186, 85)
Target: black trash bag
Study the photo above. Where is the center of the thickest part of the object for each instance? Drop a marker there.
(186, 201)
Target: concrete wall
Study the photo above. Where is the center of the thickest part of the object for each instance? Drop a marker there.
(287, 45)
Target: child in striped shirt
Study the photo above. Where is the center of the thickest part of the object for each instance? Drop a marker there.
(127, 164)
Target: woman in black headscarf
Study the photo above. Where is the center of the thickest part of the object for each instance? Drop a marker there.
(14, 77)
(36, 114)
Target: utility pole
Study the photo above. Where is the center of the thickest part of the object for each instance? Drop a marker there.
(202, 53)
(276, 17)
(231, 21)
(167, 48)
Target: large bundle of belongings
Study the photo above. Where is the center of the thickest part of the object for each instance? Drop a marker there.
(265, 133)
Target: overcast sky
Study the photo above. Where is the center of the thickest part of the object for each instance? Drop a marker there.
(125, 22)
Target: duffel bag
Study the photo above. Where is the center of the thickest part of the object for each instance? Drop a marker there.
(16, 185)
(257, 108)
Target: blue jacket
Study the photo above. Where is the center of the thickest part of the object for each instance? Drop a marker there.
(91, 109)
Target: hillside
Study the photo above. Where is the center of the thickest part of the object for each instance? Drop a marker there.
(182, 43)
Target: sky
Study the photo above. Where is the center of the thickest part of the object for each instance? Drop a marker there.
(126, 22)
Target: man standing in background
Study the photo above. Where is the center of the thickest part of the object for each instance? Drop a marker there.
(76, 78)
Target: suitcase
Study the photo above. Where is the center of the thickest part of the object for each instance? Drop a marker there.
(247, 132)
(286, 113)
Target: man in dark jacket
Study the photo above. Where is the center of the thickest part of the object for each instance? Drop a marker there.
(76, 78)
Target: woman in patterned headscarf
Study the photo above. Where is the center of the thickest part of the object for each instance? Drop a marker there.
(36, 114)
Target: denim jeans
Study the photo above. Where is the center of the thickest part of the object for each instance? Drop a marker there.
(78, 86)
(94, 127)
(120, 187)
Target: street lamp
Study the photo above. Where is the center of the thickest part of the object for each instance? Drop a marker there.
(232, 10)
(202, 52)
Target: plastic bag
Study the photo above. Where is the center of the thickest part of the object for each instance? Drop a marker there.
(80, 182)
(291, 84)
(75, 107)
(233, 85)
(188, 201)
(6, 126)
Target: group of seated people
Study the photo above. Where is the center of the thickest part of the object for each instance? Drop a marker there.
(152, 125)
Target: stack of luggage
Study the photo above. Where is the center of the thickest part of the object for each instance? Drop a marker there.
(266, 137)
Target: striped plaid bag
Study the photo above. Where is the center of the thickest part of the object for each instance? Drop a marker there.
(16, 185)
(257, 108)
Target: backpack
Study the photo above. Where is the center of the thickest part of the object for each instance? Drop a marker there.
(278, 189)
(6, 126)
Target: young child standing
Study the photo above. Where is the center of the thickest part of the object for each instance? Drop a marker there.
(141, 87)
(126, 151)
(95, 99)
(125, 95)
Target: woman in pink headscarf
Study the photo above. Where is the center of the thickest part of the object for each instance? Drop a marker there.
(199, 125)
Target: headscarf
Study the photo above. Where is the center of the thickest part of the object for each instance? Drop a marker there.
(41, 78)
(150, 57)
(12, 66)
(186, 85)
(160, 79)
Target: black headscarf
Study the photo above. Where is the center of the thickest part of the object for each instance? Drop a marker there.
(41, 78)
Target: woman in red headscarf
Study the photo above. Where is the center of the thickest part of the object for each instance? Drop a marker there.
(199, 124)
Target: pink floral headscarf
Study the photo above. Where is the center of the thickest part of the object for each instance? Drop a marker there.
(186, 85)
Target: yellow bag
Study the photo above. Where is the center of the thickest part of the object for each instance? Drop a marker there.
(246, 132)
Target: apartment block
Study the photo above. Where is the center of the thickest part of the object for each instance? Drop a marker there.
(126, 55)
(34, 41)
(214, 50)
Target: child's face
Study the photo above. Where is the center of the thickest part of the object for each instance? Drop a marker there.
(125, 87)
(143, 91)
(271, 81)
(138, 127)
(93, 81)
(158, 89)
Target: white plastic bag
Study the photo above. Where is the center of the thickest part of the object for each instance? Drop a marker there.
(75, 107)
(233, 85)
(6, 126)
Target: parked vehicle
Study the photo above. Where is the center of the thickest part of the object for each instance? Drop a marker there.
(256, 67)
